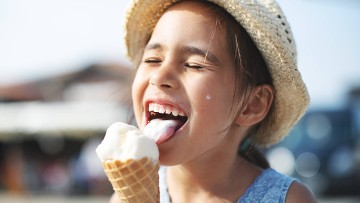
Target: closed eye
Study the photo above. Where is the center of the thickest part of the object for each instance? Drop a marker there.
(152, 60)
(193, 66)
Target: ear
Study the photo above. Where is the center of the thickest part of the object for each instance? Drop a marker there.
(257, 106)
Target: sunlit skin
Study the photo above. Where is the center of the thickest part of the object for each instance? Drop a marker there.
(186, 65)
(176, 71)
(183, 69)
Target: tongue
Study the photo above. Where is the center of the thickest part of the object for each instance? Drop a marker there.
(160, 130)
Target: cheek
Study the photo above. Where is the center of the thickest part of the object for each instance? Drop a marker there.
(137, 91)
(213, 100)
(208, 97)
(141, 80)
(206, 100)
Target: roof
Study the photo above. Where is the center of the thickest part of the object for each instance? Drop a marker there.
(74, 119)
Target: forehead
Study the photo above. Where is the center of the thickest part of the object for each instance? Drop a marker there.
(201, 7)
(200, 11)
(190, 22)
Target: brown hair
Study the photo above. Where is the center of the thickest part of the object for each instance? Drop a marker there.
(250, 71)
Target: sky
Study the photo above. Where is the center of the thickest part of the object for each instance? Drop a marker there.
(40, 38)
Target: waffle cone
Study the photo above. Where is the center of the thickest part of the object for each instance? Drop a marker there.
(134, 180)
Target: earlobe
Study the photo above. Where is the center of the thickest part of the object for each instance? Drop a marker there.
(257, 106)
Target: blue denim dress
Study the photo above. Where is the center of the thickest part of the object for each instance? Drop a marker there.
(269, 187)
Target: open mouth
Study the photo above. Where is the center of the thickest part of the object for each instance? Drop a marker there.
(164, 112)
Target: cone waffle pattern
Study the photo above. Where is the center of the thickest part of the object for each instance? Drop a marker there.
(134, 180)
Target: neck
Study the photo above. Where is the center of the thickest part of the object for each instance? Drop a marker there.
(219, 176)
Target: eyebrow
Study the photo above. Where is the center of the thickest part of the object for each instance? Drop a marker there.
(191, 50)
(153, 46)
(204, 53)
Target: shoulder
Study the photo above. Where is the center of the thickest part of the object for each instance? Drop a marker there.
(298, 192)
(269, 186)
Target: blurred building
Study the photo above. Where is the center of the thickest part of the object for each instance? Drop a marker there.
(49, 129)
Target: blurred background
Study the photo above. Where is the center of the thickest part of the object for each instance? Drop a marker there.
(64, 79)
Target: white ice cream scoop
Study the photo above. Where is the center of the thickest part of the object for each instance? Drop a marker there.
(124, 142)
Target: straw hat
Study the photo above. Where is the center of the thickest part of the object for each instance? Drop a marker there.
(268, 28)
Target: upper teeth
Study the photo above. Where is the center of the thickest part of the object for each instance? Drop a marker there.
(158, 108)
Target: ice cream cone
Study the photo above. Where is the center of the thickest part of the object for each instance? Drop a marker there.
(134, 180)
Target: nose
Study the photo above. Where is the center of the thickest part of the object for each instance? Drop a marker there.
(164, 76)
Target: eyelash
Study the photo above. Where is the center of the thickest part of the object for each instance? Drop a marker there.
(152, 60)
(186, 65)
(193, 66)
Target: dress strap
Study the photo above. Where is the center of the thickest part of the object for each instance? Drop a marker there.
(269, 187)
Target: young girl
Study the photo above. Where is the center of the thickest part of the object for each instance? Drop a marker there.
(224, 73)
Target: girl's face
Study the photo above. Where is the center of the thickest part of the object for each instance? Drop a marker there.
(186, 69)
